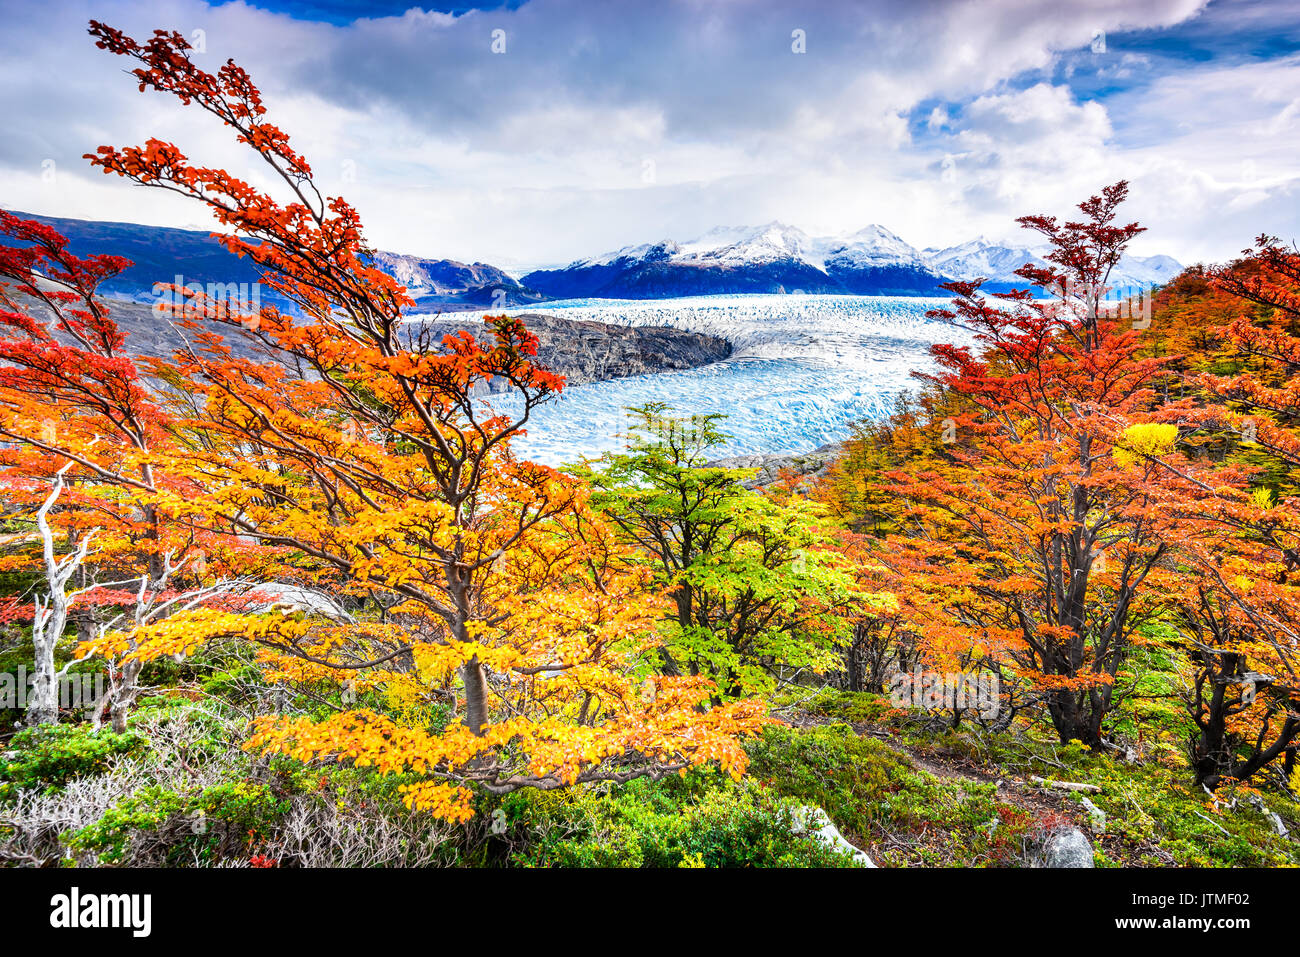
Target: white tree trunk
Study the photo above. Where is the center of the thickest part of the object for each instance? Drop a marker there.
(51, 612)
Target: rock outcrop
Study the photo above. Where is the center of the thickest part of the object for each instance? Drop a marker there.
(585, 351)
(770, 467)
(581, 351)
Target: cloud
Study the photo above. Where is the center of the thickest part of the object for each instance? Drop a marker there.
(606, 124)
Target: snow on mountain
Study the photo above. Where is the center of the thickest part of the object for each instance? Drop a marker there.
(626, 253)
(772, 258)
(733, 247)
(1147, 270)
(776, 258)
(998, 262)
(978, 258)
(872, 246)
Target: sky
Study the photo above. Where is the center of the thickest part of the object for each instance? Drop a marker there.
(539, 132)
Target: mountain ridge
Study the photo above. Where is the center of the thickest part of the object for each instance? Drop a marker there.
(160, 253)
(770, 258)
(777, 258)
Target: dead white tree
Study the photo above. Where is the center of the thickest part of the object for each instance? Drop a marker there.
(150, 606)
(51, 610)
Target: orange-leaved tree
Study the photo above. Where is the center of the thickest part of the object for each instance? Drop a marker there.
(1242, 609)
(79, 425)
(373, 454)
(1028, 544)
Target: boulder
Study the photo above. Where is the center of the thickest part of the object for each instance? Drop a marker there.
(1062, 847)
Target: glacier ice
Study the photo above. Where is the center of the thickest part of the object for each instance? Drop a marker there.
(804, 368)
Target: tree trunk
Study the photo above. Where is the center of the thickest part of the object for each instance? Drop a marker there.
(1073, 722)
(124, 695)
(50, 616)
(855, 664)
(476, 708)
(43, 699)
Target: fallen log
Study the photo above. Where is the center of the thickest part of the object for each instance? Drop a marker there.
(1064, 785)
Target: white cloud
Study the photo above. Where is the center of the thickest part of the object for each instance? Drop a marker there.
(541, 154)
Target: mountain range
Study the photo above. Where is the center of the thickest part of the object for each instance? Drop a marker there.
(777, 258)
(160, 253)
(774, 258)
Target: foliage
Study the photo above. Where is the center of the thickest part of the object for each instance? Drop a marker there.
(356, 461)
(47, 756)
(848, 776)
(665, 824)
(346, 624)
(757, 594)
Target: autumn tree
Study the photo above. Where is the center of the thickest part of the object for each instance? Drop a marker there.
(1032, 541)
(77, 417)
(1239, 599)
(1242, 696)
(373, 453)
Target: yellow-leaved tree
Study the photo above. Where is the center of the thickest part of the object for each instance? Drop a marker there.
(371, 456)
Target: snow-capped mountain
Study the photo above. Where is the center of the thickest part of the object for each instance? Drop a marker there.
(780, 258)
(981, 258)
(763, 259)
(1146, 270)
(773, 258)
(998, 262)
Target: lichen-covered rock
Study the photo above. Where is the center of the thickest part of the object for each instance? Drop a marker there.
(770, 467)
(1062, 847)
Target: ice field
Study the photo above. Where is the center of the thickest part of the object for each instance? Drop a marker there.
(804, 368)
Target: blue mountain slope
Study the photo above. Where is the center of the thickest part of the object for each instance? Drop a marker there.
(159, 254)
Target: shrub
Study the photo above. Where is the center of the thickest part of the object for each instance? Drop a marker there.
(160, 827)
(50, 755)
(830, 767)
(705, 821)
(855, 707)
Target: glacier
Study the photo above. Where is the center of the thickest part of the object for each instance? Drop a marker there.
(804, 369)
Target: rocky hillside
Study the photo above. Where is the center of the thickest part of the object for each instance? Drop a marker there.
(585, 351)
(581, 351)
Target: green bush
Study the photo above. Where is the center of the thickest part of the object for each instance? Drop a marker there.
(50, 755)
(855, 707)
(223, 821)
(831, 767)
(705, 821)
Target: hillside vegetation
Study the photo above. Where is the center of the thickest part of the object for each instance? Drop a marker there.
(316, 612)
